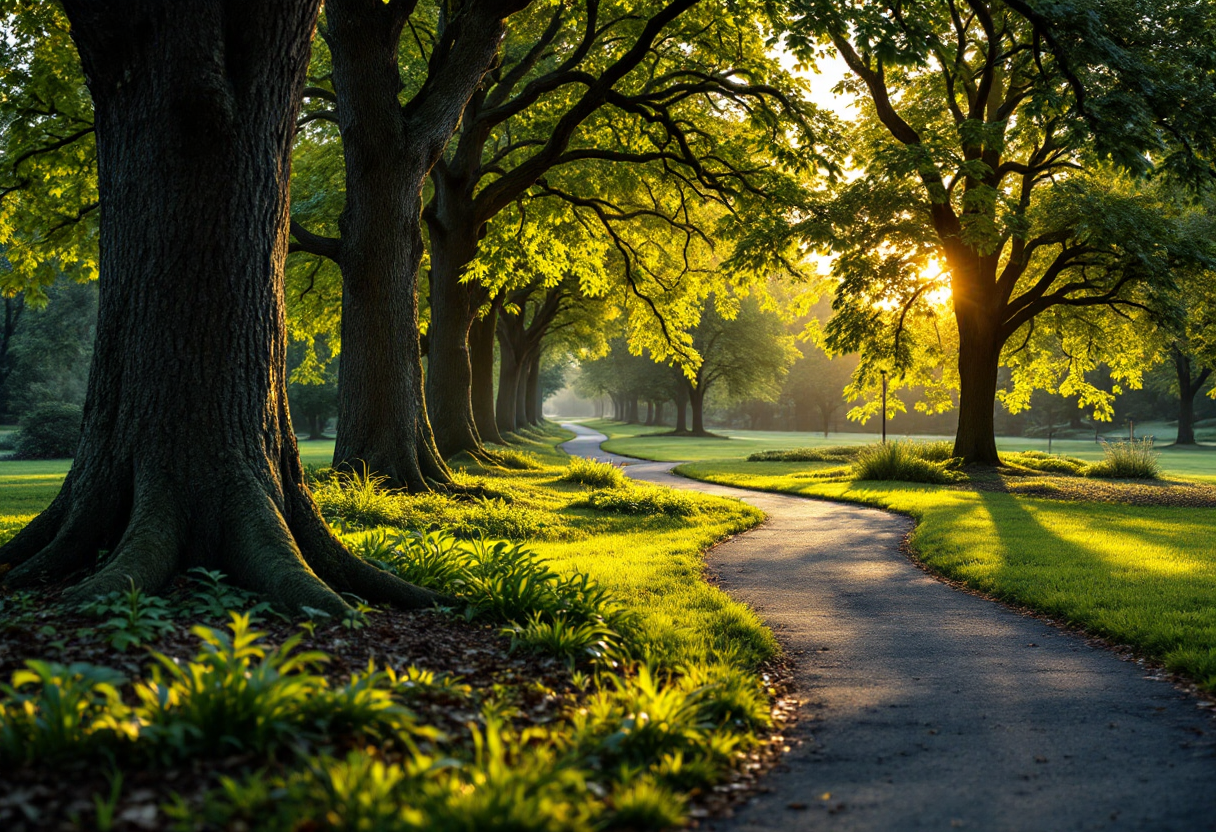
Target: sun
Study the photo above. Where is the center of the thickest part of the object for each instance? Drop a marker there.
(933, 273)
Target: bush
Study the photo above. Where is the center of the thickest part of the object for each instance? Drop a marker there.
(595, 474)
(516, 460)
(49, 432)
(508, 583)
(1039, 461)
(832, 453)
(1127, 461)
(646, 500)
(901, 460)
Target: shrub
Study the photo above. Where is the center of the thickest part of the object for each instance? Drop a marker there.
(498, 518)
(900, 460)
(832, 453)
(133, 618)
(516, 460)
(50, 710)
(51, 431)
(595, 474)
(1047, 463)
(1127, 461)
(505, 582)
(646, 500)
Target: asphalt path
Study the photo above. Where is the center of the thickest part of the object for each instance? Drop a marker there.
(927, 708)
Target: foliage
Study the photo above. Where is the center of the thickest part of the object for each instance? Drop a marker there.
(49, 432)
(1127, 460)
(595, 474)
(235, 696)
(51, 710)
(516, 460)
(832, 453)
(902, 460)
(642, 500)
(134, 618)
(500, 581)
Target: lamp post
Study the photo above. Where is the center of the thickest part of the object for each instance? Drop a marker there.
(884, 407)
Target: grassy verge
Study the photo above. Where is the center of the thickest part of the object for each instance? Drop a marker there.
(1140, 575)
(644, 442)
(587, 678)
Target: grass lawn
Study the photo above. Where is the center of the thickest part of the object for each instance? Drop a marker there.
(633, 440)
(1142, 576)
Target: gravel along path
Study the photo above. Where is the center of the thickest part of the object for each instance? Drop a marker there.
(928, 708)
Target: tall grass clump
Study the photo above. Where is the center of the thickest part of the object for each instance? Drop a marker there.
(903, 461)
(832, 453)
(641, 500)
(1134, 460)
(595, 474)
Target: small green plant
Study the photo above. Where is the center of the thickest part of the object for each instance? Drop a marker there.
(133, 618)
(50, 710)
(832, 453)
(213, 597)
(595, 474)
(644, 500)
(571, 641)
(901, 460)
(1127, 461)
(644, 803)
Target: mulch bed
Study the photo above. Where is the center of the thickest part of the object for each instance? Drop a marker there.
(48, 797)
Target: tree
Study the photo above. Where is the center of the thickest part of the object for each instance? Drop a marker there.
(389, 150)
(187, 455)
(743, 348)
(815, 385)
(978, 151)
(670, 86)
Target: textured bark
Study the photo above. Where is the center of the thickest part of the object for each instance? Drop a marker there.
(187, 455)
(383, 423)
(533, 395)
(978, 363)
(1188, 387)
(696, 402)
(481, 354)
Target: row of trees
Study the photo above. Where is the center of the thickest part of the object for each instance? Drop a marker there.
(484, 170)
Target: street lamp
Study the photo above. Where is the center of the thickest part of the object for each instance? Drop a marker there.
(884, 407)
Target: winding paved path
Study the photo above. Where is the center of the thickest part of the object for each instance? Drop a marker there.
(928, 708)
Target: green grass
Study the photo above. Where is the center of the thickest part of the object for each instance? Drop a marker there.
(1142, 576)
(632, 440)
(654, 562)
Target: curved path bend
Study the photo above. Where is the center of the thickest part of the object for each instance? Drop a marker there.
(928, 708)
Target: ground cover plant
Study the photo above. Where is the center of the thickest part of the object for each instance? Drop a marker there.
(516, 716)
(1139, 572)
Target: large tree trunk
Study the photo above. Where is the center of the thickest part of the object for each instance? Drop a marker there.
(187, 456)
(681, 398)
(382, 420)
(696, 401)
(449, 381)
(1188, 388)
(510, 366)
(533, 395)
(481, 354)
(978, 363)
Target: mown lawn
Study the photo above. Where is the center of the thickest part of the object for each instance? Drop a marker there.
(1143, 576)
(640, 441)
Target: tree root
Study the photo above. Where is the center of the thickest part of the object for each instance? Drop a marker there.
(284, 552)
